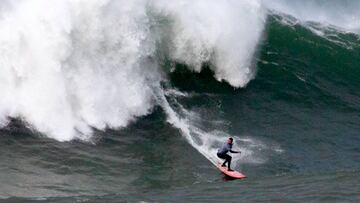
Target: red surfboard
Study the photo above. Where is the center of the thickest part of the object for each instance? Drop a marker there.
(233, 174)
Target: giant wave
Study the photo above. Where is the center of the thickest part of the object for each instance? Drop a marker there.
(68, 67)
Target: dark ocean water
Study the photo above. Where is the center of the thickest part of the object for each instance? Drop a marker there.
(299, 120)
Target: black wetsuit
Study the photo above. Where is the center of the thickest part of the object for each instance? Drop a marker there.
(222, 153)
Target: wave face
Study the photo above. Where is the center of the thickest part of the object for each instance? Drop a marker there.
(70, 66)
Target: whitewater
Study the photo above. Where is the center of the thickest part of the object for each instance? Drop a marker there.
(70, 66)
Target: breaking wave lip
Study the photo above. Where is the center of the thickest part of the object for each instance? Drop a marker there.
(70, 66)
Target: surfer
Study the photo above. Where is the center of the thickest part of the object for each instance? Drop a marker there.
(222, 153)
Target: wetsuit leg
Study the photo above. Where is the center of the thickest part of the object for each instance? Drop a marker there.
(222, 156)
(228, 160)
(224, 164)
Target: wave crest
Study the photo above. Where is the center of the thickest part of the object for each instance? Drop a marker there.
(70, 66)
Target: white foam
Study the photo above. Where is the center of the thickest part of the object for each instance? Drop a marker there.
(224, 33)
(67, 66)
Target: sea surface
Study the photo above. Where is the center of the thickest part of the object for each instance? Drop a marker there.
(100, 111)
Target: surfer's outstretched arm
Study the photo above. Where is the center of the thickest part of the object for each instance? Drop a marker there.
(234, 151)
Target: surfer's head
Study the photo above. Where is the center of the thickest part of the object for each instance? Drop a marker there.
(230, 140)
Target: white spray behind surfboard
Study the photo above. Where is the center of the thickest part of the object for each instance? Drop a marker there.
(207, 139)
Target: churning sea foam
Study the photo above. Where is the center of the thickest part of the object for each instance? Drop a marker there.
(224, 33)
(68, 66)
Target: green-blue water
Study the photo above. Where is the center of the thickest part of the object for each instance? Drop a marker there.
(298, 120)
